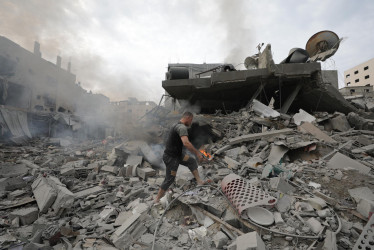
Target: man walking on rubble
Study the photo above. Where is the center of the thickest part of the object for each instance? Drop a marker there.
(177, 138)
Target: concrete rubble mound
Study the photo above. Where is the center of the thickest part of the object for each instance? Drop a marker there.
(280, 181)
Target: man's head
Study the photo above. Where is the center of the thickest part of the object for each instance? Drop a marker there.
(187, 118)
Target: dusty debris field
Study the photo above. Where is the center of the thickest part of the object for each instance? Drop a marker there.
(279, 182)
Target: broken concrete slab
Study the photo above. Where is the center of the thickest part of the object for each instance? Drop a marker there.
(10, 170)
(26, 215)
(45, 194)
(313, 130)
(315, 225)
(363, 149)
(263, 110)
(340, 161)
(115, 236)
(109, 169)
(87, 192)
(251, 137)
(276, 154)
(361, 193)
(303, 116)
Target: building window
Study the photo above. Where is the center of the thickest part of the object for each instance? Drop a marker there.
(357, 80)
(348, 75)
(367, 77)
(367, 90)
(352, 91)
(366, 68)
(356, 72)
(348, 83)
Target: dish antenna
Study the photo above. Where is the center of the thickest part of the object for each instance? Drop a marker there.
(322, 45)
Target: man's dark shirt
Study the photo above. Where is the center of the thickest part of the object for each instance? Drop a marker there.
(174, 144)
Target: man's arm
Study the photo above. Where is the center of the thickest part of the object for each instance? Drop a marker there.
(191, 148)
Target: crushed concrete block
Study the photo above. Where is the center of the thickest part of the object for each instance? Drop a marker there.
(251, 137)
(303, 116)
(26, 215)
(278, 183)
(315, 225)
(220, 239)
(250, 241)
(365, 207)
(232, 164)
(311, 129)
(44, 193)
(144, 173)
(340, 123)
(340, 161)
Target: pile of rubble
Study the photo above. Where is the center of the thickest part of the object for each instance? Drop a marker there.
(279, 182)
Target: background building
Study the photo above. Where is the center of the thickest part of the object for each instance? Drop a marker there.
(360, 75)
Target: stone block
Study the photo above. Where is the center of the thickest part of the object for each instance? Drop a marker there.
(250, 241)
(67, 171)
(45, 195)
(26, 215)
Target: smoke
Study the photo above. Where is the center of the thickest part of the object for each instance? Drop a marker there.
(61, 28)
(239, 40)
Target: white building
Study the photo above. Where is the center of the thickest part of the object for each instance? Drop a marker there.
(360, 75)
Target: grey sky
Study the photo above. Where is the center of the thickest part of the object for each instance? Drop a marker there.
(121, 48)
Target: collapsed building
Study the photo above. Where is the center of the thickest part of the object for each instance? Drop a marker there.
(292, 173)
(40, 98)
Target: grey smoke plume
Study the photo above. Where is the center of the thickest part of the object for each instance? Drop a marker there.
(60, 26)
(235, 20)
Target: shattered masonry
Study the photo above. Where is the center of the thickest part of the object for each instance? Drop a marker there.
(284, 176)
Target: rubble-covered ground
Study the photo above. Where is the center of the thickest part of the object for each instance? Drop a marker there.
(279, 182)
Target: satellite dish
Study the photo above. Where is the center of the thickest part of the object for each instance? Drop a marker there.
(324, 43)
(251, 62)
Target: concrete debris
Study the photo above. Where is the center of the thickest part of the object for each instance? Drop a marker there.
(303, 116)
(311, 179)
